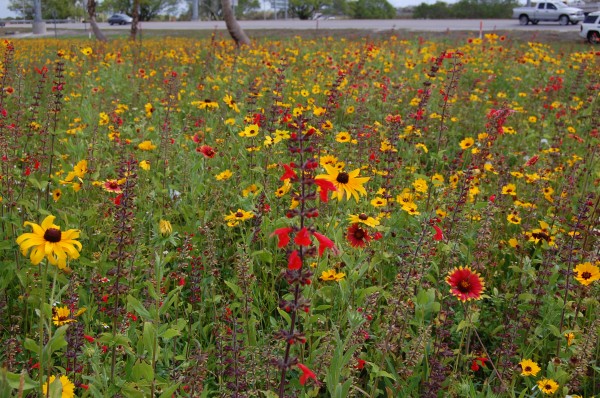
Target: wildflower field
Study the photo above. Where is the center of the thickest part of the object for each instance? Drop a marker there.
(305, 217)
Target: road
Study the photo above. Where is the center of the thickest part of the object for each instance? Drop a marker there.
(431, 25)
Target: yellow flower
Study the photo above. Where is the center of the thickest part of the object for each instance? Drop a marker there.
(145, 165)
(532, 119)
(165, 227)
(56, 194)
(251, 189)
(587, 273)
(422, 146)
(349, 183)
(327, 159)
(225, 175)
(234, 218)
(80, 169)
(146, 146)
(87, 51)
(529, 368)
(547, 386)
(68, 388)
(467, 143)
(364, 219)
(379, 202)
(332, 275)
(509, 189)
(410, 208)
(570, 337)
(343, 136)
(47, 240)
(420, 185)
(250, 131)
(513, 218)
(60, 315)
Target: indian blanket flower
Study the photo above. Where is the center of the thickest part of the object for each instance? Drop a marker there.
(587, 273)
(234, 218)
(547, 386)
(357, 236)
(350, 183)
(529, 368)
(68, 388)
(47, 240)
(207, 151)
(112, 186)
(465, 284)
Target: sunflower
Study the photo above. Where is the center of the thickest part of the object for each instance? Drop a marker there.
(357, 236)
(547, 386)
(68, 388)
(587, 273)
(345, 182)
(529, 368)
(48, 241)
(465, 284)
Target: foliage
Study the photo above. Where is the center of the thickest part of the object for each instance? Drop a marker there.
(302, 217)
(305, 9)
(60, 9)
(149, 9)
(371, 9)
(466, 9)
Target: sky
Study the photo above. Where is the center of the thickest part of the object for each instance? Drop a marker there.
(4, 12)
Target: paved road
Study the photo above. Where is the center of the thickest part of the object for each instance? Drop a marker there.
(439, 25)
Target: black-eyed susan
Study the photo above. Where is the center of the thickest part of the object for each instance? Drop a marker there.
(56, 195)
(362, 218)
(332, 275)
(379, 202)
(47, 240)
(235, 217)
(465, 284)
(509, 189)
(249, 131)
(343, 137)
(62, 315)
(547, 386)
(529, 367)
(467, 143)
(350, 183)
(586, 273)
(513, 218)
(67, 387)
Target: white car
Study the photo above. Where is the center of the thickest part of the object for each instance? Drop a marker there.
(590, 28)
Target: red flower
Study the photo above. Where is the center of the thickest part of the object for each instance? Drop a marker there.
(284, 236)
(465, 284)
(438, 233)
(357, 236)
(302, 238)
(207, 151)
(306, 374)
(88, 338)
(324, 243)
(289, 173)
(477, 363)
(117, 199)
(294, 262)
(325, 186)
(361, 364)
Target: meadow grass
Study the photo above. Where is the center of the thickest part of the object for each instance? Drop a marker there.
(385, 215)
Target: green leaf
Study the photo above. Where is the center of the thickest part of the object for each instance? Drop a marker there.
(170, 333)
(14, 379)
(263, 255)
(142, 370)
(235, 289)
(169, 391)
(149, 336)
(31, 345)
(138, 307)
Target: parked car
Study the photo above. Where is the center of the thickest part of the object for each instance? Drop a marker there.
(590, 28)
(549, 11)
(119, 19)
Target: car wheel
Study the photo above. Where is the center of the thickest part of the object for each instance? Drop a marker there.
(535, 22)
(110, 23)
(593, 38)
(563, 20)
(122, 23)
(523, 20)
(574, 22)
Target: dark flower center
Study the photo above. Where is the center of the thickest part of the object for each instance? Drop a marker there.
(527, 368)
(343, 178)
(586, 275)
(239, 214)
(52, 235)
(464, 286)
(362, 216)
(359, 234)
(548, 387)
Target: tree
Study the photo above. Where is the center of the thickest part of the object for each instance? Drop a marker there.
(91, 9)
(305, 9)
(148, 9)
(234, 28)
(372, 9)
(59, 9)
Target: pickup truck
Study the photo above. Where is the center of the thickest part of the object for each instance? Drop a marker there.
(549, 11)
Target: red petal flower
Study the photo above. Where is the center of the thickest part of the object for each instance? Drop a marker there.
(88, 338)
(438, 233)
(324, 243)
(361, 364)
(306, 374)
(465, 284)
(357, 236)
(302, 238)
(284, 236)
(294, 262)
(207, 151)
(325, 186)
(289, 173)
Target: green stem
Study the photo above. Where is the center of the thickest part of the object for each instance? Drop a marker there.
(43, 271)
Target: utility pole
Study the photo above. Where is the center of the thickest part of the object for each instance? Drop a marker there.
(39, 26)
(195, 10)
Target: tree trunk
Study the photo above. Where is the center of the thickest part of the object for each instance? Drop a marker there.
(136, 18)
(234, 28)
(91, 9)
